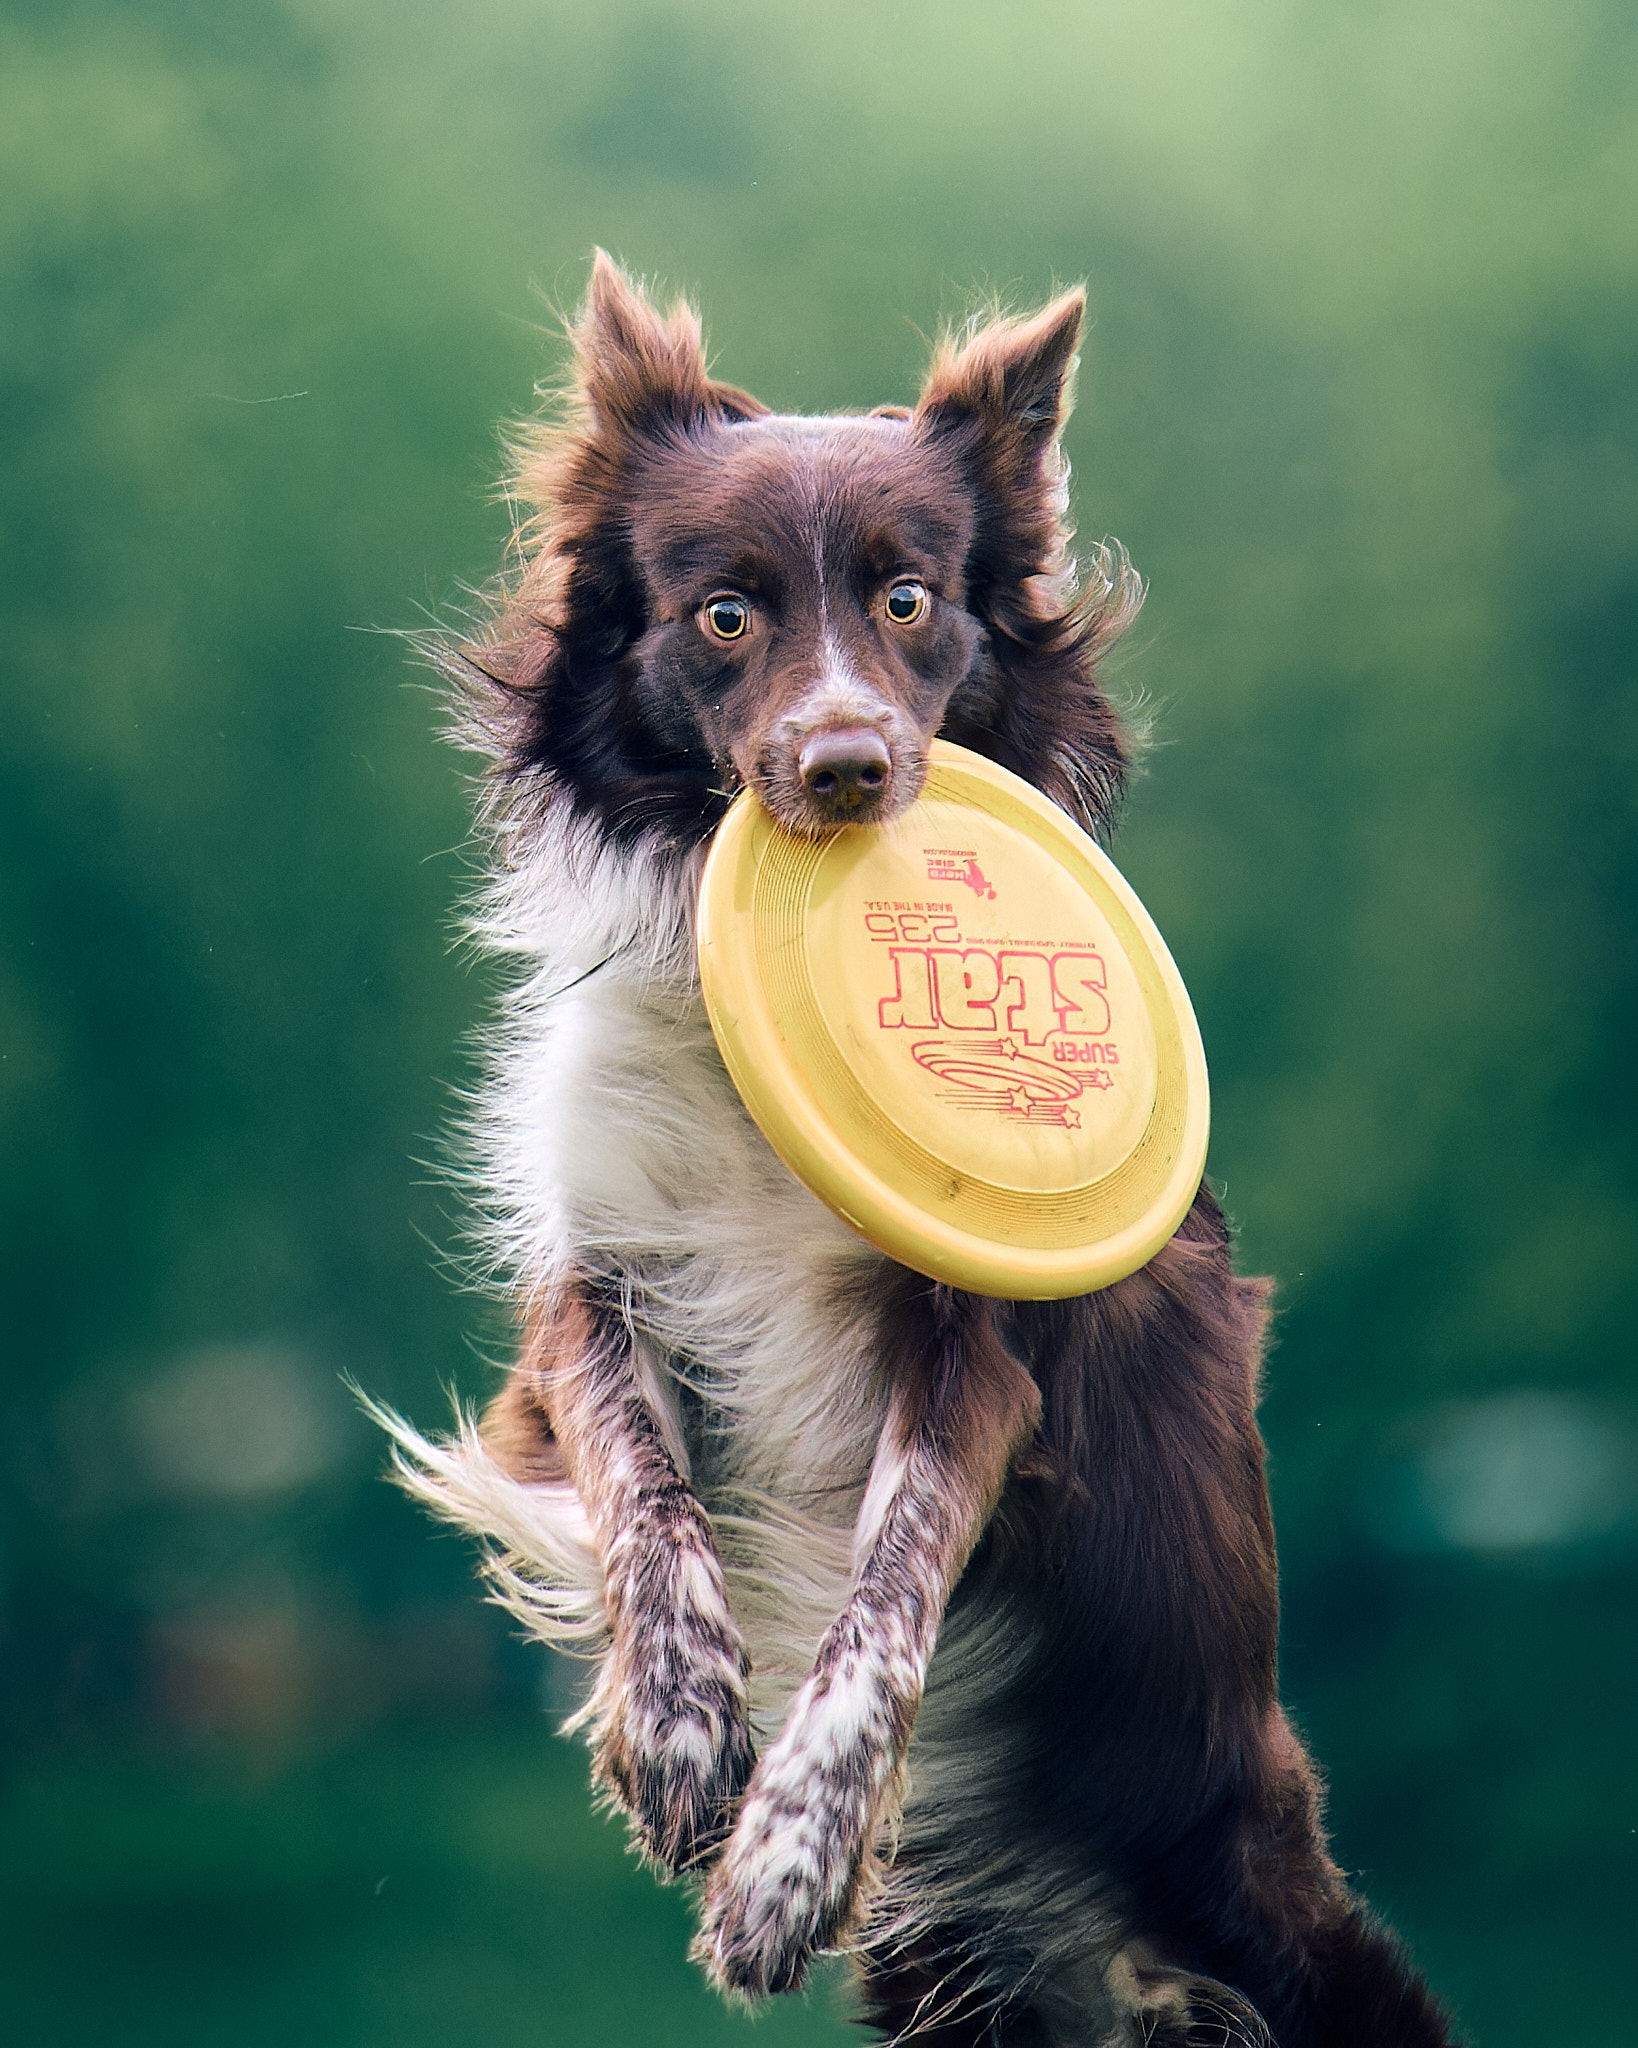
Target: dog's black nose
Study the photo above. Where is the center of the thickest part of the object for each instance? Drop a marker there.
(845, 767)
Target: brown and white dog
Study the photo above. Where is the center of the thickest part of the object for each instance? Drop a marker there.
(932, 1627)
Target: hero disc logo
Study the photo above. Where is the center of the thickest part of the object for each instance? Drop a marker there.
(1024, 1031)
(958, 864)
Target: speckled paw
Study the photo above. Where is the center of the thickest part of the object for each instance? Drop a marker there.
(783, 1890)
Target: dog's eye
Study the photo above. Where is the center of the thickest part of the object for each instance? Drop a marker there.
(906, 602)
(726, 616)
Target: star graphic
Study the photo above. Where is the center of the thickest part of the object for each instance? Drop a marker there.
(1009, 1048)
(1022, 1101)
(1099, 1079)
(1072, 1119)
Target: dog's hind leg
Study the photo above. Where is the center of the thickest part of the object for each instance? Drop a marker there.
(790, 1879)
(668, 1715)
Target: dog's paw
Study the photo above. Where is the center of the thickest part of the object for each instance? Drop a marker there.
(678, 1761)
(674, 1741)
(780, 1893)
(788, 1884)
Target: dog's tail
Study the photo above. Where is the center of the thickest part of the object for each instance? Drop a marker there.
(539, 1556)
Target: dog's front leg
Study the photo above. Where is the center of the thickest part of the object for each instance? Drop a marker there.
(791, 1879)
(670, 1732)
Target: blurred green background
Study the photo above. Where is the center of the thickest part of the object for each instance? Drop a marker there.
(1360, 397)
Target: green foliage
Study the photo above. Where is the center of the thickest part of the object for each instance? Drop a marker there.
(1360, 397)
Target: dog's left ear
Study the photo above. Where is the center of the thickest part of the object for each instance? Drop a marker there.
(994, 406)
(999, 400)
(1008, 381)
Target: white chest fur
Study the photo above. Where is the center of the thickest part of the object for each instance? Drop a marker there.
(611, 1141)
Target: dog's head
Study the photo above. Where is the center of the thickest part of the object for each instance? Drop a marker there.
(713, 595)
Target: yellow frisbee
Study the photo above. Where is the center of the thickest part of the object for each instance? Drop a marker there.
(962, 1031)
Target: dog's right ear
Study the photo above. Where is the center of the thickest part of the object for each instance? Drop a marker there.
(639, 383)
(548, 690)
(641, 374)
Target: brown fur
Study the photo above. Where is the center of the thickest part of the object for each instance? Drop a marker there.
(1078, 1482)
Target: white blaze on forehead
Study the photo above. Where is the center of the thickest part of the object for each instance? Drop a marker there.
(838, 695)
(819, 570)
